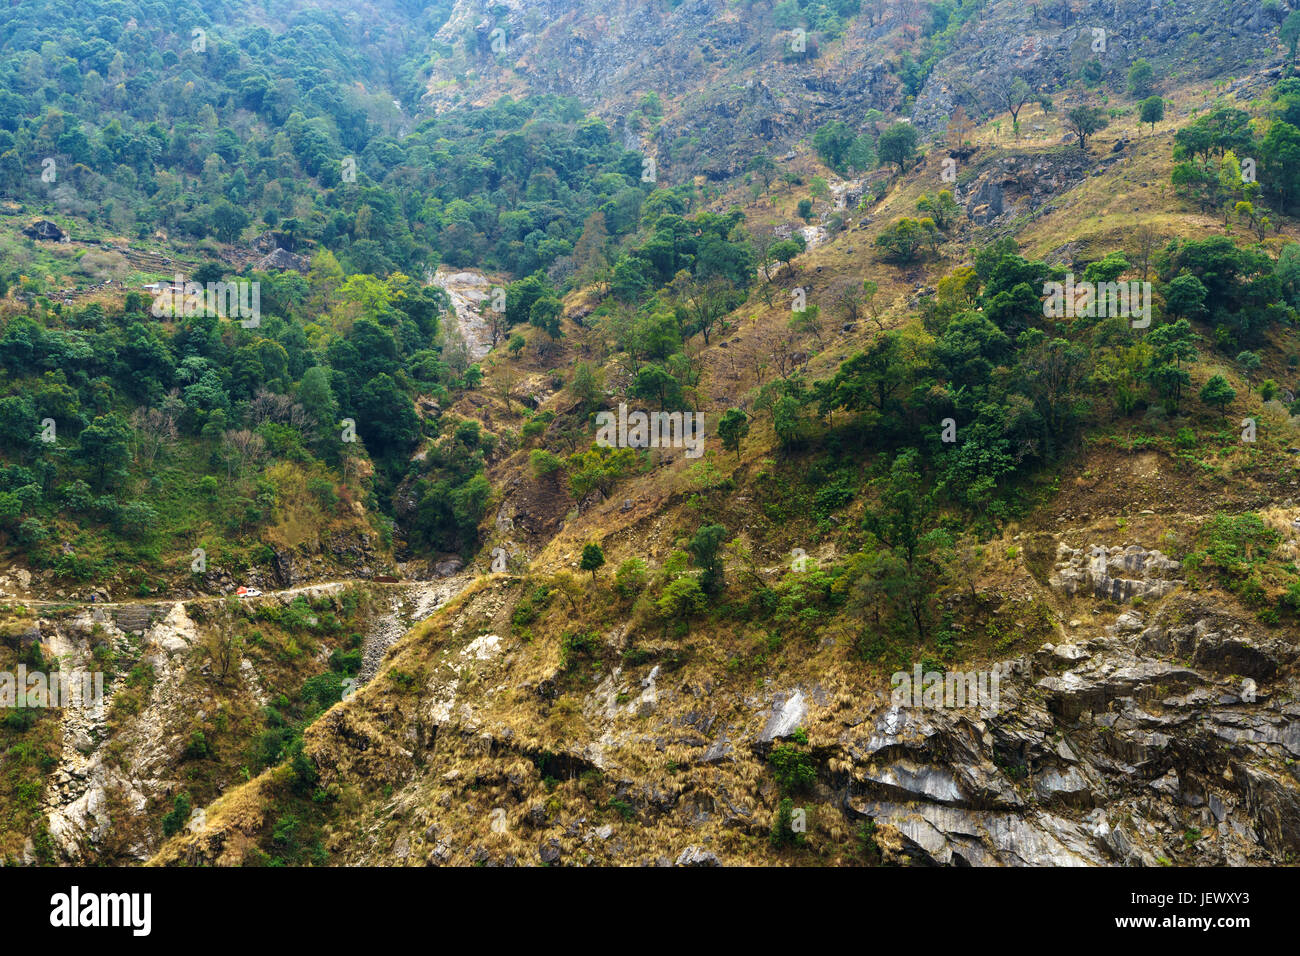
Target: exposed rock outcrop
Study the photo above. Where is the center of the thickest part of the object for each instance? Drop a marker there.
(281, 259)
(45, 231)
(1117, 573)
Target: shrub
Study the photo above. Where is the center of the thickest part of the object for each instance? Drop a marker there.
(197, 748)
(544, 463)
(793, 768)
(681, 599)
(323, 490)
(578, 645)
(136, 520)
(31, 532)
(78, 496)
(174, 821)
(630, 578)
(783, 832)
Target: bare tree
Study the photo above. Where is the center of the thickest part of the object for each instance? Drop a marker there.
(960, 129)
(761, 240)
(968, 558)
(1146, 239)
(591, 339)
(1012, 93)
(503, 378)
(243, 447)
(870, 293)
(455, 350)
(155, 429)
(707, 302)
(268, 406)
(222, 648)
(788, 359)
(590, 254)
(847, 295)
(496, 322)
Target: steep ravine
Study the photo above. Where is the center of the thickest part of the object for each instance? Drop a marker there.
(118, 762)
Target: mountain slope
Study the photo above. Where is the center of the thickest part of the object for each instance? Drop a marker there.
(716, 682)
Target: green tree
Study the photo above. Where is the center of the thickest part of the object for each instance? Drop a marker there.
(782, 833)
(1083, 121)
(705, 547)
(680, 599)
(1250, 363)
(587, 385)
(784, 250)
(833, 142)
(1013, 95)
(593, 559)
(761, 165)
(1169, 381)
(903, 240)
(228, 221)
(544, 463)
(175, 819)
(520, 297)
(787, 420)
(630, 578)
(1152, 111)
(1218, 393)
(1175, 342)
(942, 207)
(386, 419)
(545, 314)
(105, 447)
(868, 380)
(732, 429)
(1140, 79)
(18, 422)
(1280, 162)
(654, 383)
(1185, 296)
(902, 522)
(317, 399)
(897, 145)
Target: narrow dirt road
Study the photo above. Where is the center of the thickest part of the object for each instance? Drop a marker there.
(323, 586)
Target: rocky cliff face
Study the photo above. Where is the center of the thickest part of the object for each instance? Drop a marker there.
(1047, 43)
(1106, 750)
(733, 85)
(1155, 726)
(728, 74)
(122, 762)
